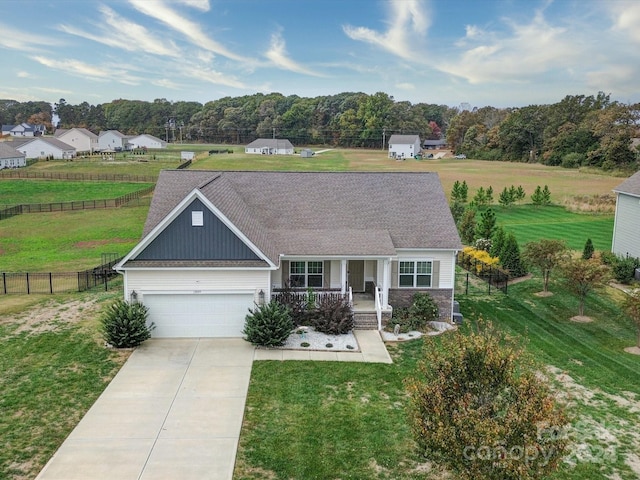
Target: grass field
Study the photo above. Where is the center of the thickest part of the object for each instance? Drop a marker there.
(13, 192)
(529, 224)
(313, 419)
(120, 166)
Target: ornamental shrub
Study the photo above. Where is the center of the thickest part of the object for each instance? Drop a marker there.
(268, 325)
(588, 250)
(624, 269)
(124, 324)
(423, 309)
(332, 316)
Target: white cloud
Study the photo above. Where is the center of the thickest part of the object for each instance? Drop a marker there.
(53, 90)
(407, 21)
(117, 31)
(212, 76)
(202, 5)
(627, 19)
(277, 53)
(23, 74)
(406, 86)
(23, 40)
(192, 31)
(166, 83)
(91, 72)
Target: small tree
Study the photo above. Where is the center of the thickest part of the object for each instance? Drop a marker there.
(537, 197)
(588, 250)
(477, 402)
(631, 306)
(546, 196)
(510, 257)
(545, 255)
(480, 198)
(333, 316)
(506, 198)
(467, 226)
(124, 324)
(268, 325)
(497, 242)
(457, 210)
(487, 224)
(583, 276)
(520, 194)
(489, 195)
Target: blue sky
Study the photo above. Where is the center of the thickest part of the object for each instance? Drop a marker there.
(480, 52)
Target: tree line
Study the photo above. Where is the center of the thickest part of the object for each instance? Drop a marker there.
(577, 131)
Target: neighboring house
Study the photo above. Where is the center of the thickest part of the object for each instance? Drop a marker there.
(270, 146)
(113, 140)
(81, 139)
(217, 243)
(434, 144)
(147, 141)
(47, 147)
(404, 146)
(626, 228)
(24, 130)
(10, 157)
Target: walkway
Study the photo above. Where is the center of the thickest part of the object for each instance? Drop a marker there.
(175, 410)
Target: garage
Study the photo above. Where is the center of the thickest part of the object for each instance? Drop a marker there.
(198, 315)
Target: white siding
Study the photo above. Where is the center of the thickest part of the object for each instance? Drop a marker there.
(626, 235)
(445, 257)
(41, 149)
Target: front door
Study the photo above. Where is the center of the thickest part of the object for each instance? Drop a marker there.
(356, 275)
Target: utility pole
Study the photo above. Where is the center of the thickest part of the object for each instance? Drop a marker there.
(384, 136)
(274, 132)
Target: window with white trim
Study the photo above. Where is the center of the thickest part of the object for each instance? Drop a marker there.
(414, 274)
(306, 274)
(197, 218)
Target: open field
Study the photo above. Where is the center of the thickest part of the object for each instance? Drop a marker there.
(122, 166)
(13, 192)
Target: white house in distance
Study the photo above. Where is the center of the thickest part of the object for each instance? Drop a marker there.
(270, 146)
(185, 155)
(81, 139)
(113, 140)
(10, 157)
(626, 228)
(46, 147)
(147, 141)
(404, 146)
(24, 130)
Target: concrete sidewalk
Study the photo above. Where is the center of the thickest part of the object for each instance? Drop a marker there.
(175, 410)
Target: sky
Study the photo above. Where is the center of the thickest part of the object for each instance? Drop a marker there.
(455, 52)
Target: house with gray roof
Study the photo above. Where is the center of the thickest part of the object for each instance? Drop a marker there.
(10, 157)
(270, 146)
(46, 147)
(24, 130)
(404, 146)
(147, 141)
(626, 228)
(81, 139)
(113, 141)
(216, 243)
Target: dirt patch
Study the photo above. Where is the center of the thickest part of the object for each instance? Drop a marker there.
(543, 294)
(633, 350)
(98, 243)
(581, 319)
(51, 316)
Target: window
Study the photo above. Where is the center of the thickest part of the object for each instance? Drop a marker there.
(414, 274)
(306, 274)
(197, 218)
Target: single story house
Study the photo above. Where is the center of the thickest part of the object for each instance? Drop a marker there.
(626, 227)
(404, 146)
(270, 146)
(434, 144)
(113, 140)
(146, 141)
(24, 130)
(10, 157)
(47, 147)
(81, 139)
(217, 243)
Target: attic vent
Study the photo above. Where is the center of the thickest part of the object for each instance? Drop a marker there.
(197, 218)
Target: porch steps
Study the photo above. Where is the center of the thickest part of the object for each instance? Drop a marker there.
(369, 320)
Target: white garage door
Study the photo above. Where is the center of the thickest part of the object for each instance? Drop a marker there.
(204, 315)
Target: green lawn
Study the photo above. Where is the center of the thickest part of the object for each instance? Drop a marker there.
(529, 223)
(68, 241)
(13, 192)
(349, 421)
(50, 378)
(129, 165)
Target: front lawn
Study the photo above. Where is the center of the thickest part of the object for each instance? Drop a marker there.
(53, 366)
(348, 421)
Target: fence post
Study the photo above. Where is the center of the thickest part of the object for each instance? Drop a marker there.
(4, 282)
(466, 287)
(28, 288)
(50, 282)
(490, 277)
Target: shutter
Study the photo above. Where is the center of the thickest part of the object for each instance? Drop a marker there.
(285, 272)
(326, 271)
(394, 274)
(435, 274)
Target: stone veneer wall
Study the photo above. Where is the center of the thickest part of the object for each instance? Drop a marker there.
(402, 298)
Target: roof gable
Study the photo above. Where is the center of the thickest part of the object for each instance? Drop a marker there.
(631, 186)
(7, 151)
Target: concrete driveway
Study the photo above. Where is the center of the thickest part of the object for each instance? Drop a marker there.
(174, 411)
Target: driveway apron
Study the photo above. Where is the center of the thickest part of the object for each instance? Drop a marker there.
(173, 411)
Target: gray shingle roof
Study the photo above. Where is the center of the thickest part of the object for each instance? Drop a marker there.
(404, 139)
(7, 151)
(630, 186)
(320, 213)
(278, 143)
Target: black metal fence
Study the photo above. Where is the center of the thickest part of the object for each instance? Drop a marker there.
(68, 206)
(479, 277)
(107, 177)
(59, 282)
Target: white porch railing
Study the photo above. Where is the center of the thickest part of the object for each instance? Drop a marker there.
(378, 298)
(316, 295)
(350, 293)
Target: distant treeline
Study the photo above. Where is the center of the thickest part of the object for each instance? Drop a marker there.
(577, 131)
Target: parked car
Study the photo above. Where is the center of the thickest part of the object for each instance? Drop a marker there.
(460, 155)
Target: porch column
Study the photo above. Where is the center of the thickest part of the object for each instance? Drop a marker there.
(386, 282)
(343, 276)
